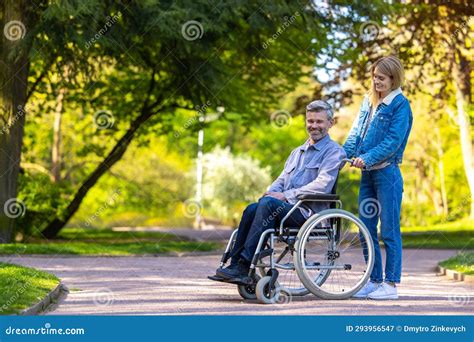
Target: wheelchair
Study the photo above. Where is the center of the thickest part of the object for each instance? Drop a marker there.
(331, 255)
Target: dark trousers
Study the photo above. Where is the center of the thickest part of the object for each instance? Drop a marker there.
(257, 218)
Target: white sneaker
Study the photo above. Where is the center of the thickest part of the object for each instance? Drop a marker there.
(366, 289)
(385, 291)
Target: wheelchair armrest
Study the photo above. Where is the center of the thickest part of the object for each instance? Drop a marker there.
(318, 196)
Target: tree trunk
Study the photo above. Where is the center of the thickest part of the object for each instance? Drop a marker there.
(442, 181)
(14, 68)
(461, 81)
(428, 186)
(55, 226)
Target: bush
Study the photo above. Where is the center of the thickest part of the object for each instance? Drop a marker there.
(229, 182)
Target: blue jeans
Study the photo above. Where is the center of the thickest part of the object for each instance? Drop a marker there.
(257, 218)
(380, 195)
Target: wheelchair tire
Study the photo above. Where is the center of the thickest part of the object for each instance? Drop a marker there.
(266, 295)
(334, 254)
(248, 291)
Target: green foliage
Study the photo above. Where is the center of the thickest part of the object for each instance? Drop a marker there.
(230, 181)
(273, 144)
(43, 200)
(148, 183)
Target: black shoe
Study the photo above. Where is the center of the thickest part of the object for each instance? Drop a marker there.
(216, 278)
(231, 265)
(219, 278)
(239, 270)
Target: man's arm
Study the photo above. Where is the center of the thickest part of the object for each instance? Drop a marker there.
(279, 183)
(326, 177)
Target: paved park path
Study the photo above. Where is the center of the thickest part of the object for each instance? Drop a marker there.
(170, 285)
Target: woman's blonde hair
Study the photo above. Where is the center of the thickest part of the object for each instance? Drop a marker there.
(390, 66)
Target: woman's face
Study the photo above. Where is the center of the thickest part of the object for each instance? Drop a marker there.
(383, 83)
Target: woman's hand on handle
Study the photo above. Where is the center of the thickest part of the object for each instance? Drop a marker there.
(358, 162)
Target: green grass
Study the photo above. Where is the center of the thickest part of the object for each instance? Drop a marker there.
(110, 235)
(450, 235)
(439, 240)
(105, 242)
(463, 262)
(460, 225)
(21, 287)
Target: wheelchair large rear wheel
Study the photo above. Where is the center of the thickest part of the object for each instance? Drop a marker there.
(334, 254)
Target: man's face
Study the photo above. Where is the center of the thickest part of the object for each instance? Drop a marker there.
(317, 124)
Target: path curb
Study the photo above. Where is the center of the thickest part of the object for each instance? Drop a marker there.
(51, 298)
(456, 275)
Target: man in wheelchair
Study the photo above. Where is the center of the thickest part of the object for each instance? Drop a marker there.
(311, 168)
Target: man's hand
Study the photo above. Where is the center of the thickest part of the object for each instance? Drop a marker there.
(277, 195)
(358, 162)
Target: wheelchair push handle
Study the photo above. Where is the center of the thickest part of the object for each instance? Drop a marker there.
(346, 160)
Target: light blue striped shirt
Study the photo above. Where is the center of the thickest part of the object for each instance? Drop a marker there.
(310, 169)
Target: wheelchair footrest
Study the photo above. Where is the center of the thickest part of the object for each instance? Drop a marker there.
(216, 278)
(237, 281)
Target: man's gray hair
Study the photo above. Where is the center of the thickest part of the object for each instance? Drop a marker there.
(320, 105)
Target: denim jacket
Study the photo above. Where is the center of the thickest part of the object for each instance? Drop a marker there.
(387, 135)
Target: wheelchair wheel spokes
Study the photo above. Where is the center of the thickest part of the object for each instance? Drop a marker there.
(334, 254)
(287, 278)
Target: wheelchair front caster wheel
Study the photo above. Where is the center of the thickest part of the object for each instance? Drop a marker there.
(265, 294)
(248, 291)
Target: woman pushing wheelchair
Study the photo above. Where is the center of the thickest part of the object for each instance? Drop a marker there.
(377, 141)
